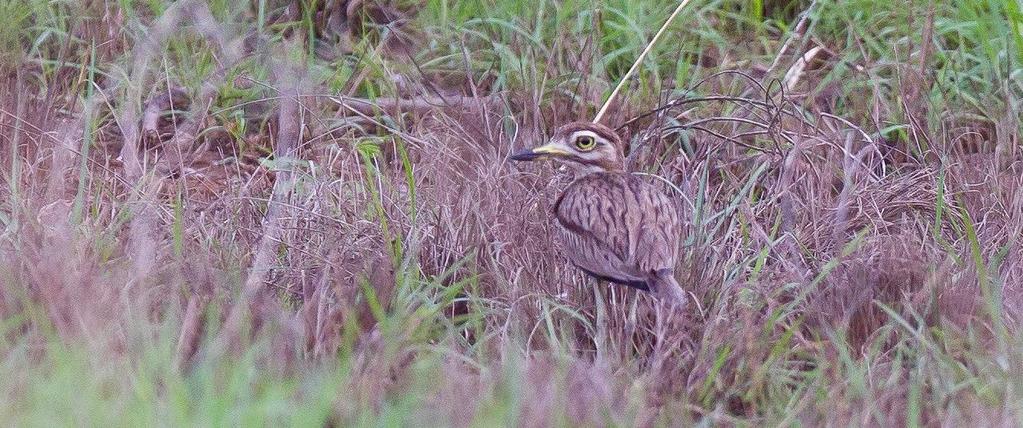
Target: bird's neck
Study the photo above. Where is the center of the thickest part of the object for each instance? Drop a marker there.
(614, 166)
(581, 170)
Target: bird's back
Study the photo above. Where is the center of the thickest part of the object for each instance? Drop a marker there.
(620, 228)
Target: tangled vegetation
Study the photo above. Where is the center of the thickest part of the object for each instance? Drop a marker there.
(301, 212)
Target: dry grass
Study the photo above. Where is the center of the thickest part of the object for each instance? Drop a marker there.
(229, 214)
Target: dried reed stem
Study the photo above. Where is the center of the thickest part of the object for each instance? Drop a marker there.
(639, 60)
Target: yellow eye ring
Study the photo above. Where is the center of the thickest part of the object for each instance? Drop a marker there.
(585, 143)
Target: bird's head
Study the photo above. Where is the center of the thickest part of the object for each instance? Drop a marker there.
(583, 146)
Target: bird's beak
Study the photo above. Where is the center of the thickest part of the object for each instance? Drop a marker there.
(538, 152)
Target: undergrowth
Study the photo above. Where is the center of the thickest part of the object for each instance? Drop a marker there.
(301, 213)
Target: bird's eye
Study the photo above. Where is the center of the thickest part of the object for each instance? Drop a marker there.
(585, 143)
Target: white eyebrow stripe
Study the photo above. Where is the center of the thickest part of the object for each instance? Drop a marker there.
(584, 133)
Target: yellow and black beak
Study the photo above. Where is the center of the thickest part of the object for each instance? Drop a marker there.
(543, 151)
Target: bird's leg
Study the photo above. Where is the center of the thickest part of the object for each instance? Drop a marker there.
(600, 330)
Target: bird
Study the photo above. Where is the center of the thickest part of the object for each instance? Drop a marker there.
(614, 226)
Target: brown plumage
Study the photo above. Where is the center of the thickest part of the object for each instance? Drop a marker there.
(615, 226)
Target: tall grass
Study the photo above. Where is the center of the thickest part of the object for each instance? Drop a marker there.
(327, 231)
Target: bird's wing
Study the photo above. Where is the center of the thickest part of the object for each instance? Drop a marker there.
(593, 210)
(620, 215)
(656, 227)
(623, 216)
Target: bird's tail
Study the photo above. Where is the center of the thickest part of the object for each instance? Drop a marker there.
(667, 288)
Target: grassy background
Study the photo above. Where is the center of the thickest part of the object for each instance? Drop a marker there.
(274, 212)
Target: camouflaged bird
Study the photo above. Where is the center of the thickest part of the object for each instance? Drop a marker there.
(615, 226)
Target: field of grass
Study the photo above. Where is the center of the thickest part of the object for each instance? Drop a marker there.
(300, 212)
